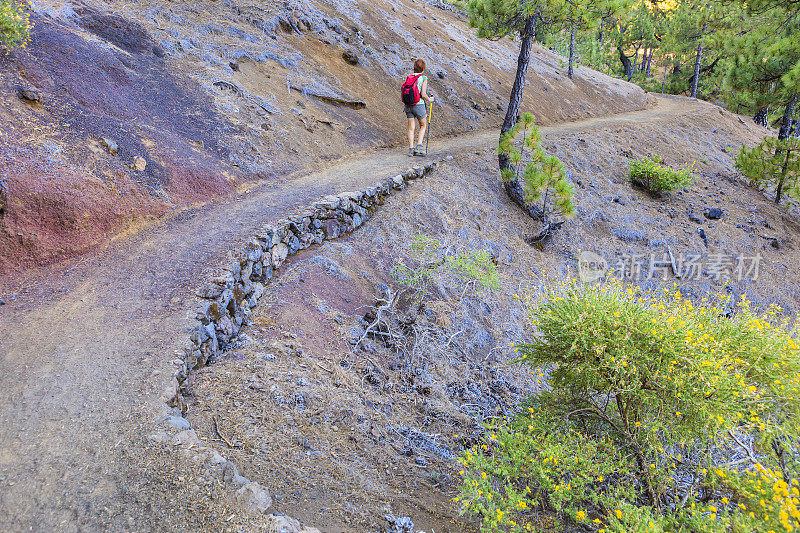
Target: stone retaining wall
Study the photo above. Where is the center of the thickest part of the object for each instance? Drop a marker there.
(229, 297)
(226, 301)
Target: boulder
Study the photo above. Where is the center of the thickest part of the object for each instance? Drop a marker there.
(333, 228)
(211, 291)
(253, 250)
(328, 202)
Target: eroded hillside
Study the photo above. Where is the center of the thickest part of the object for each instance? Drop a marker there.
(139, 109)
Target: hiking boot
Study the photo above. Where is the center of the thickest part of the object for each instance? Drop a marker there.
(412, 152)
(418, 151)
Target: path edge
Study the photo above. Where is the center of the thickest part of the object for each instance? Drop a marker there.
(223, 307)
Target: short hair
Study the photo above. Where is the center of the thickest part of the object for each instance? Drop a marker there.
(419, 65)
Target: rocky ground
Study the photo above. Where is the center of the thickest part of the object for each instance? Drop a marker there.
(130, 110)
(345, 427)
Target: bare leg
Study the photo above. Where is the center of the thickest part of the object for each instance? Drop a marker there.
(411, 133)
(423, 125)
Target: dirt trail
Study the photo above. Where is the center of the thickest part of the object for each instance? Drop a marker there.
(81, 353)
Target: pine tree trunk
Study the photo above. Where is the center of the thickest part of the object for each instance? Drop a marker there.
(513, 187)
(601, 34)
(760, 117)
(635, 62)
(626, 62)
(697, 61)
(649, 60)
(783, 133)
(779, 191)
(786, 121)
(570, 70)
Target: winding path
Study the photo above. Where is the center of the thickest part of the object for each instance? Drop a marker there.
(81, 354)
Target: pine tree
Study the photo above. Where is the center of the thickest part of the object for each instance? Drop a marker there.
(765, 69)
(697, 33)
(584, 16)
(545, 184)
(773, 163)
(496, 19)
(634, 29)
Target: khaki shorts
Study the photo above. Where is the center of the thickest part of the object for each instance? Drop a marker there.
(418, 110)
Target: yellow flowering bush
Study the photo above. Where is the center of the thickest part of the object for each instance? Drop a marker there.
(15, 24)
(652, 174)
(662, 415)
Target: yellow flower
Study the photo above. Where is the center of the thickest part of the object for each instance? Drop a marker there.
(581, 516)
(619, 514)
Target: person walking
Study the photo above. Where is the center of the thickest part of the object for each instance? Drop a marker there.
(415, 97)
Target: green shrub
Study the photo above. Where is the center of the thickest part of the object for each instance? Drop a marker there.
(652, 174)
(15, 24)
(432, 258)
(661, 415)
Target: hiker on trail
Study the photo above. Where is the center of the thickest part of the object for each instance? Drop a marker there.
(416, 97)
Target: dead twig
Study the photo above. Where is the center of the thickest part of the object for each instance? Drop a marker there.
(744, 447)
(324, 368)
(215, 427)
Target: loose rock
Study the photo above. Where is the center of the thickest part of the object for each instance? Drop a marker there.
(110, 146)
(350, 57)
(31, 94)
(139, 163)
(253, 498)
(399, 525)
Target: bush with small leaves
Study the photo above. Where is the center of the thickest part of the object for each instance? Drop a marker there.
(432, 257)
(15, 24)
(661, 415)
(655, 176)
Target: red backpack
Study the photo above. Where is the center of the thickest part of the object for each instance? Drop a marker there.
(410, 90)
